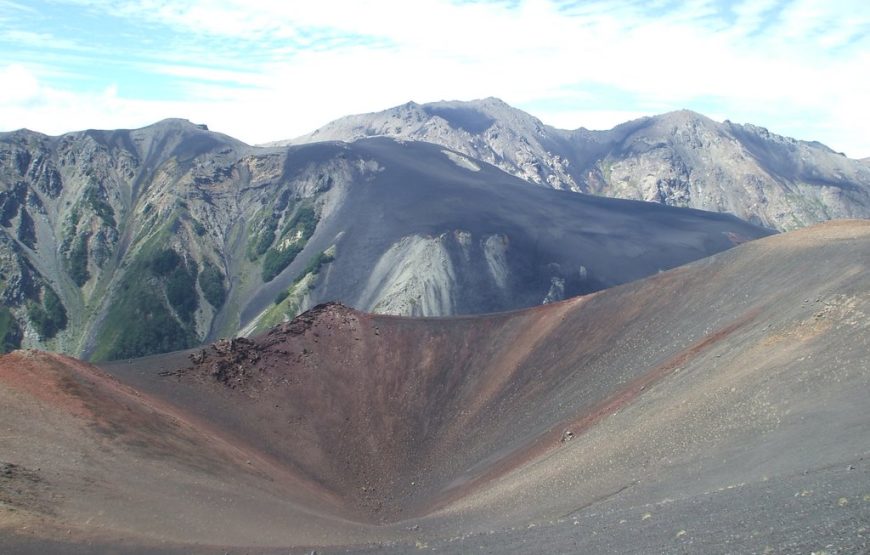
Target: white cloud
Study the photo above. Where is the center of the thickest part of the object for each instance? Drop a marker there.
(590, 119)
(20, 86)
(776, 62)
(26, 102)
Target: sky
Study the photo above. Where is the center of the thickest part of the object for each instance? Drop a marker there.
(266, 70)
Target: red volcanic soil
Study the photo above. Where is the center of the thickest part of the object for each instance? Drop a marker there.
(89, 457)
(716, 407)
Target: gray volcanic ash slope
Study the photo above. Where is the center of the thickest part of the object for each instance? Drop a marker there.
(679, 158)
(124, 243)
(428, 232)
(718, 407)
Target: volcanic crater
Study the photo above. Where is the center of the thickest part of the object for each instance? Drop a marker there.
(636, 410)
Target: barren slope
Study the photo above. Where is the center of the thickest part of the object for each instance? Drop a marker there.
(717, 407)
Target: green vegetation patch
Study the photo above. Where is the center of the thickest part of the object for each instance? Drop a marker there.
(181, 292)
(49, 317)
(10, 332)
(180, 282)
(26, 229)
(100, 206)
(74, 218)
(263, 238)
(283, 294)
(10, 201)
(143, 325)
(307, 277)
(77, 260)
(296, 233)
(140, 323)
(276, 260)
(211, 281)
(305, 219)
(198, 228)
(164, 262)
(288, 304)
(314, 265)
(140, 320)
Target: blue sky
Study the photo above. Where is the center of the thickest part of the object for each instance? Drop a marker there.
(273, 69)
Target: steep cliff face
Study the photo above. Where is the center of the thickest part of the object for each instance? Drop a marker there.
(680, 159)
(117, 244)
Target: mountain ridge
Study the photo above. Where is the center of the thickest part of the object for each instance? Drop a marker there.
(679, 158)
(119, 243)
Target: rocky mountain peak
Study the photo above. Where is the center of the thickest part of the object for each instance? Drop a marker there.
(177, 123)
(686, 116)
(673, 124)
(680, 158)
(23, 134)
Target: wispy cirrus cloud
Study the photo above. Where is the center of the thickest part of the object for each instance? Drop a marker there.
(273, 69)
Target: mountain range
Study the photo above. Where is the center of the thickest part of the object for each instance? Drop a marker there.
(679, 158)
(117, 244)
(434, 329)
